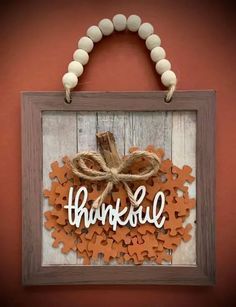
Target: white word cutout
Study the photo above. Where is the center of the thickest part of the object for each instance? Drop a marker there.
(135, 215)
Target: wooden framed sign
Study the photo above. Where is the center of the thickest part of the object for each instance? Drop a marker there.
(52, 129)
(118, 187)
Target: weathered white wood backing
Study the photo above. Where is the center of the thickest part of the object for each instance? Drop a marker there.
(67, 133)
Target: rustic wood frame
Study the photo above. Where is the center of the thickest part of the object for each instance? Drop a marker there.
(33, 104)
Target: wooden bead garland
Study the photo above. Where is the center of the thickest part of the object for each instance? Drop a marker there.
(86, 44)
(106, 27)
(76, 67)
(133, 23)
(145, 30)
(119, 22)
(168, 78)
(162, 66)
(157, 54)
(94, 33)
(70, 80)
(81, 56)
(153, 41)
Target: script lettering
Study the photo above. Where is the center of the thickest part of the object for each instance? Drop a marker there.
(77, 210)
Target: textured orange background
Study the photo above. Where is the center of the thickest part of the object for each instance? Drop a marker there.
(37, 41)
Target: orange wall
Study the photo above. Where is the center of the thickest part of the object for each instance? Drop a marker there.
(37, 41)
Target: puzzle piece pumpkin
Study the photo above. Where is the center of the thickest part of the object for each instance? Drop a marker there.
(125, 245)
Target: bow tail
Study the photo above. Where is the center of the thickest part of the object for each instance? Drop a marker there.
(97, 203)
(130, 194)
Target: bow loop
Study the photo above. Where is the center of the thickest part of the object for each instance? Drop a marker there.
(115, 175)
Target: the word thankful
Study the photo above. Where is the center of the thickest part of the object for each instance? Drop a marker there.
(78, 211)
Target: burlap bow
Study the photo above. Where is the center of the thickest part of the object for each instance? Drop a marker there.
(114, 175)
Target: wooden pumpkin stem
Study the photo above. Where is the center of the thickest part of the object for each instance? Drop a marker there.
(108, 149)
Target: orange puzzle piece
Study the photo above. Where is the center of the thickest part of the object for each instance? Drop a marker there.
(68, 240)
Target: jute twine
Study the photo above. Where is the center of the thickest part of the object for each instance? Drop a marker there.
(68, 95)
(170, 93)
(114, 175)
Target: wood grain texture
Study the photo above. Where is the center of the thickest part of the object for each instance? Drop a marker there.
(152, 128)
(115, 123)
(184, 153)
(55, 147)
(120, 101)
(33, 105)
(86, 126)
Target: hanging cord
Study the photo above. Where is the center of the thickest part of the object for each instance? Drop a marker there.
(68, 98)
(170, 93)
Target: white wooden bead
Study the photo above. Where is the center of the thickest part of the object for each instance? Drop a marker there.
(162, 66)
(81, 56)
(76, 67)
(133, 23)
(157, 54)
(153, 41)
(69, 80)
(94, 33)
(86, 44)
(106, 26)
(120, 22)
(168, 78)
(145, 30)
